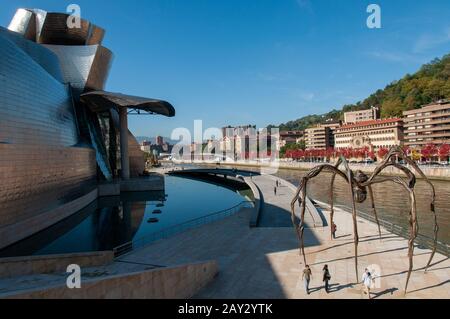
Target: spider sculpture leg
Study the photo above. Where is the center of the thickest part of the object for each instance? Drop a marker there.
(300, 189)
(372, 202)
(355, 222)
(412, 219)
(412, 235)
(388, 161)
(333, 177)
(432, 208)
(300, 229)
(302, 223)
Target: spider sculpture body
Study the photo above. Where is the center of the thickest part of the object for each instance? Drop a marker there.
(360, 187)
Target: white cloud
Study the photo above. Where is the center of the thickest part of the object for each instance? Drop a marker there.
(429, 41)
(397, 57)
(307, 96)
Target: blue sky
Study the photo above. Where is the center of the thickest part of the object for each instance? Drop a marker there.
(257, 61)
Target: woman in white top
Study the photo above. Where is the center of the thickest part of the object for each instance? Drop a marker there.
(367, 281)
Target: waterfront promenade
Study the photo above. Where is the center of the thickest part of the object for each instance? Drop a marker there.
(264, 262)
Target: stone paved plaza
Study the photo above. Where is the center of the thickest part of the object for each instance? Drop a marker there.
(265, 262)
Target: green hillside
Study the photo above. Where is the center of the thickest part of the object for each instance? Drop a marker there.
(429, 84)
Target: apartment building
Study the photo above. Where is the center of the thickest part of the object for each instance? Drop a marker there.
(428, 125)
(321, 136)
(362, 115)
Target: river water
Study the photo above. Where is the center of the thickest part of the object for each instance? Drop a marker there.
(112, 221)
(391, 200)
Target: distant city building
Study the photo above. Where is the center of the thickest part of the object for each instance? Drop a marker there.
(373, 134)
(289, 137)
(159, 141)
(322, 135)
(227, 144)
(362, 115)
(242, 130)
(146, 146)
(428, 125)
(317, 137)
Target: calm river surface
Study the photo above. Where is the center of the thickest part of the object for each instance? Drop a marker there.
(113, 221)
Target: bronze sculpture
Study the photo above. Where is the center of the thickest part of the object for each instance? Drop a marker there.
(360, 185)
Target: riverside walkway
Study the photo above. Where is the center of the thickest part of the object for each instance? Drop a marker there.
(264, 262)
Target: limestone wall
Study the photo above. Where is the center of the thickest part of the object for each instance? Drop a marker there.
(30, 265)
(258, 200)
(178, 282)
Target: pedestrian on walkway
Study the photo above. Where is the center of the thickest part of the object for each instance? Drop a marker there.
(276, 183)
(275, 191)
(326, 277)
(333, 230)
(367, 281)
(307, 275)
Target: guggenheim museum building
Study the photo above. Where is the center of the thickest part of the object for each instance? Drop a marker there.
(61, 133)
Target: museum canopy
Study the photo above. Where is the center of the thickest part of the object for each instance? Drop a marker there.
(100, 101)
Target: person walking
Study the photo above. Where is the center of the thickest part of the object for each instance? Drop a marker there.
(367, 281)
(333, 230)
(307, 275)
(275, 191)
(276, 183)
(326, 277)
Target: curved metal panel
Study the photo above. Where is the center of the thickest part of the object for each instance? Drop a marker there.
(56, 31)
(35, 108)
(24, 23)
(99, 71)
(41, 55)
(84, 67)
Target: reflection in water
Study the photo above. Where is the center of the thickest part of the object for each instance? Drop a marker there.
(112, 221)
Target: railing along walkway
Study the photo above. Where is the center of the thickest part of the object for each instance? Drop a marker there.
(421, 240)
(173, 230)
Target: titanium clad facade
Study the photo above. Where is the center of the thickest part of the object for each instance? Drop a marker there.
(42, 56)
(84, 67)
(41, 165)
(35, 107)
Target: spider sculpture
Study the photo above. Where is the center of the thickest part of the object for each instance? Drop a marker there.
(360, 186)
